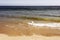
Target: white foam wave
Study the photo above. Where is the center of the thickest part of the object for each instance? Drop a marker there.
(44, 24)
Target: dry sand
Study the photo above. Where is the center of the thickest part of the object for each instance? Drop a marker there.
(33, 37)
(22, 31)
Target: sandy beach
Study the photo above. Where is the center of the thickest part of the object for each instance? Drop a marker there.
(33, 37)
(20, 30)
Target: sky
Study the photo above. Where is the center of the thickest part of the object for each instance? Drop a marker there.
(29, 2)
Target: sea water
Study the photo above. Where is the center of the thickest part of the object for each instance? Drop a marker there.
(35, 13)
(32, 13)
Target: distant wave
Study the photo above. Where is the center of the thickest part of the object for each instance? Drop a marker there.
(13, 16)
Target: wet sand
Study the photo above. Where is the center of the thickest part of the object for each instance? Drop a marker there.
(20, 30)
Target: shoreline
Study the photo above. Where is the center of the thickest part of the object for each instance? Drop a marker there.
(18, 28)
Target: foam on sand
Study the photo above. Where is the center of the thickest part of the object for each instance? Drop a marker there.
(41, 24)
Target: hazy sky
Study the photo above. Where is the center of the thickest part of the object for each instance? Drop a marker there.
(29, 2)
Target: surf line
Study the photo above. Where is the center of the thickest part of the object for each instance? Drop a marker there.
(41, 24)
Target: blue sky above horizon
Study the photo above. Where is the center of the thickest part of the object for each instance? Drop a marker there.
(29, 2)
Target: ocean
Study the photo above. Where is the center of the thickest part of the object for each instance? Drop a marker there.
(30, 13)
